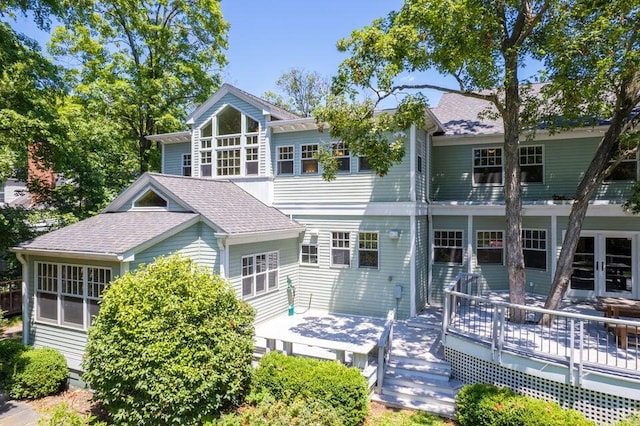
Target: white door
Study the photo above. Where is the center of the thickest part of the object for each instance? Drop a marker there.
(604, 265)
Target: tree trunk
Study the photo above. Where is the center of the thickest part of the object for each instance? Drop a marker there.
(144, 146)
(513, 191)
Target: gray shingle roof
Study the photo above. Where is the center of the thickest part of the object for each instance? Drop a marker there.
(227, 205)
(459, 116)
(109, 233)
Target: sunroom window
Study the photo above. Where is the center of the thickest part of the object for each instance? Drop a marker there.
(259, 274)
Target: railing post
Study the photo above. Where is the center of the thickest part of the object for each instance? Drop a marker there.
(580, 364)
(445, 313)
(572, 351)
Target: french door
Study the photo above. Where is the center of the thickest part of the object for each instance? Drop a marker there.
(605, 265)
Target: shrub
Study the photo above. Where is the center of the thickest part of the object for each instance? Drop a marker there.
(633, 420)
(63, 415)
(37, 373)
(328, 382)
(172, 344)
(10, 349)
(488, 405)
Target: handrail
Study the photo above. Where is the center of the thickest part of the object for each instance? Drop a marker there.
(384, 348)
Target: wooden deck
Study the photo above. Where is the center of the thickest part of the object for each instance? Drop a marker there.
(11, 297)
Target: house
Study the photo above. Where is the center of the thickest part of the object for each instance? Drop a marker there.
(242, 193)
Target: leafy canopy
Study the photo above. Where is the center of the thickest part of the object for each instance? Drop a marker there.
(301, 91)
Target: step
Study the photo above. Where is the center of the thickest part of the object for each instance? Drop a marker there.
(414, 362)
(419, 393)
(424, 355)
(422, 381)
(423, 324)
(427, 372)
(443, 410)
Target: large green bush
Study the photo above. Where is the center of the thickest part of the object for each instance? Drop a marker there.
(172, 344)
(10, 349)
(328, 382)
(37, 373)
(488, 405)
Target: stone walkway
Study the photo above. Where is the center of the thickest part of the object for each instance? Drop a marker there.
(16, 413)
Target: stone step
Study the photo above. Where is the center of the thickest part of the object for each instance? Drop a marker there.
(443, 410)
(421, 381)
(426, 371)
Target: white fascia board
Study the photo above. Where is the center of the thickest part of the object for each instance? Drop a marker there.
(113, 257)
(540, 135)
(543, 208)
(126, 195)
(407, 208)
(258, 237)
(296, 125)
(129, 255)
(169, 138)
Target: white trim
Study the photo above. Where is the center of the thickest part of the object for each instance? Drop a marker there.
(68, 254)
(433, 246)
(257, 237)
(412, 162)
(475, 184)
(350, 249)
(554, 245)
(541, 135)
(412, 266)
(150, 208)
(542, 208)
(544, 164)
(502, 247)
(396, 209)
(293, 160)
(470, 244)
(317, 246)
(546, 247)
(170, 138)
(26, 323)
(267, 290)
(371, 268)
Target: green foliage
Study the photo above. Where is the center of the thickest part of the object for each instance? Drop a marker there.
(171, 344)
(327, 382)
(302, 91)
(3, 325)
(10, 350)
(405, 418)
(63, 415)
(488, 405)
(271, 412)
(37, 373)
(143, 63)
(633, 420)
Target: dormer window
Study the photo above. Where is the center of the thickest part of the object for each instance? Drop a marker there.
(232, 149)
(150, 199)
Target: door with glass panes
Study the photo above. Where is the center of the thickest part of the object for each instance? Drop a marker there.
(604, 265)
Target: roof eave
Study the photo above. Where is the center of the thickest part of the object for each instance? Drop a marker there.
(70, 254)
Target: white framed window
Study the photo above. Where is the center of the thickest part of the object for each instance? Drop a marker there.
(285, 160)
(487, 166)
(309, 254)
(364, 165)
(419, 164)
(150, 200)
(447, 247)
(251, 161)
(340, 152)
(68, 294)
(206, 149)
(186, 164)
(625, 171)
(259, 274)
(309, 159)
(368, 250)
(534, 248)
(490, 247)
(531, 164)
(340, 249)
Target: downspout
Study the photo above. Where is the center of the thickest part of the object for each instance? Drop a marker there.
(412, 220)
(223, 249)
(430, 235)
(26, 325)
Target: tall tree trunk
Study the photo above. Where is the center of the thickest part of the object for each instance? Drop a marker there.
(144, 147)
(512, 189)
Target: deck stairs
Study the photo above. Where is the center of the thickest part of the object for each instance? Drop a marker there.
(417, 376)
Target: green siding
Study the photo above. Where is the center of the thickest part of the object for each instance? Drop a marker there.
(274, 303)
(347, 187)
(422, 262)
(354, 290)
(172, 157)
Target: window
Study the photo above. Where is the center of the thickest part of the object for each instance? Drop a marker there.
(150, 199)
(340, 152)
(419, 164)
(489, 247)
(368, 250)
(285, 160)
(309, 157)
(259, 274)
(228, 156)
(206, 158)
(363, 164)
(531, 164)
(186, 164)
(69, 294)
(626, 170)
(534, 248)
(309, 254)
(447, 247)
(251, 161)
(340, 249)
(487, 166)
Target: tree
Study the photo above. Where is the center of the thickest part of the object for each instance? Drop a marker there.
(593, 63)
(482, 45)
(144, 63)
(172, 344)
(302, 91)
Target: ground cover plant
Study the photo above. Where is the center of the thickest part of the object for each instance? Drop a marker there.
(172, 344)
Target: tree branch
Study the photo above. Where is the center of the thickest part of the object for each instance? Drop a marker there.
(493, 98)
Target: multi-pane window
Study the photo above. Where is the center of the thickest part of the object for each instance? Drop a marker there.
(285, 160)
(309, 254)
(206, 157)
(626, 170)
(309, 158)
(534, 248)
(186, 164)
(69, 294)
(340, 249)
(489, 247)
(368, 250)
(531, 164)
(363, 164)
(340, 152)
(487, 166)
(251, 161)
(259, 273)
(447, 247)
(228, 156)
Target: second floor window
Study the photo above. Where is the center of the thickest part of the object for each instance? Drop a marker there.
(309, 159)
(531, 164)
(340, 152)
(363, 164)
(626, 170)
(285, 160)
(186, 164)
(340, 249)
(487, 166)
(309, 254)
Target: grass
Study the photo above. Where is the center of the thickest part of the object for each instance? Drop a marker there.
(382, 416)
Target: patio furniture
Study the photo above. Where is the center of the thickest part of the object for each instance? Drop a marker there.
(618, 310)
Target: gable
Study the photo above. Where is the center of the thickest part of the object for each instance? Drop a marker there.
(233, 101)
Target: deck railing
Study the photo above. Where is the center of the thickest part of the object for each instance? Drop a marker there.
(384, 349)
(576, 340)
(11, 296)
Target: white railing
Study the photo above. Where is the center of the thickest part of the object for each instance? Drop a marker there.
(384, 349)
(576, 340)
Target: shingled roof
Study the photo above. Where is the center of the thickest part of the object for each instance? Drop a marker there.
(110, 233)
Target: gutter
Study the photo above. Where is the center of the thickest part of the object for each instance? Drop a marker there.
(112, 257)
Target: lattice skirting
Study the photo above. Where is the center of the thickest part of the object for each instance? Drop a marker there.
(599, 407)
